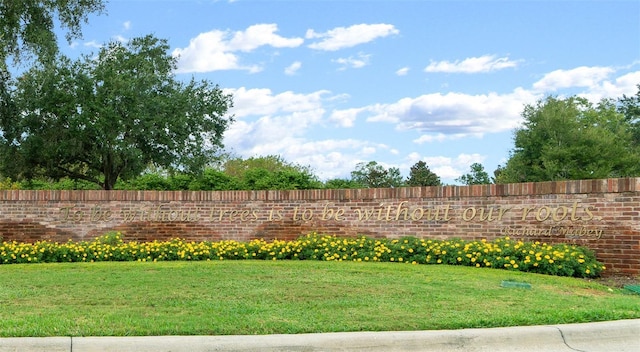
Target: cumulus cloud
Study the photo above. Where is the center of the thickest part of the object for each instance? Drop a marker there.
(346, 37)
(577, 77)
(346, 117)
(333, 158)
(447, 168)
(455, 114)
(481, 64)
(279, 123)
(287, 123)
(268, 123)
(626, 84)
(263, 102)
(451, 168)
(217, 50)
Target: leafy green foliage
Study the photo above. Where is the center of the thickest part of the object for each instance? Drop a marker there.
(629, 106)
(420, 175)
(147, 181)
(374, 175)
(108, 118)
(477, 176)
(27, 32)
(27, 26)
(215, 180)
(7, 183)
(270, 172)
(571, 139)
(341, 183)
(63, 183)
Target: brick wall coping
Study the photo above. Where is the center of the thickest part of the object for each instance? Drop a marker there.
(615, 185)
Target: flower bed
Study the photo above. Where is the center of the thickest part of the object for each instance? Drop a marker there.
(503, 253)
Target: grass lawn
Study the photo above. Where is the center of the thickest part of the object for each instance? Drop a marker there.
(267, 297)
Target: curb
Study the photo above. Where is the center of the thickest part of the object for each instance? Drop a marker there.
(620, 335)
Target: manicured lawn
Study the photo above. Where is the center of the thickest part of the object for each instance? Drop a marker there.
(266, 297)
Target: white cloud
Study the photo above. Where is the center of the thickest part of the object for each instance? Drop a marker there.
(262, 102)
(126, 25)
(293, 68)
(268, 123)
(332, 158)
(261, 34)
(486, 63)
(441, 137)
(451, 168)
(447, 168)
(453, 114)
(403, 71)
(353, 62)
(92, 44)
(346, 37)
(345, 118)
(216, 50)
(583, 76)
(623, 85)
(285, 124)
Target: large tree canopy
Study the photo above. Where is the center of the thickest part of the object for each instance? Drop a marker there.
(571, 139)
(111, 116)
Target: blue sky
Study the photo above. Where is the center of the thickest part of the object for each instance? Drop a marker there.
(330, 84)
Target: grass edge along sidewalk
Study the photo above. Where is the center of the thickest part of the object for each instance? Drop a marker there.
(253, 297)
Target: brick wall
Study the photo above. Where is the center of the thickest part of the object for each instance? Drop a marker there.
(601, 214)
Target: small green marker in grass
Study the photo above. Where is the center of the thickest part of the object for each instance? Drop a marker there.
(515, 284)
(634, 288)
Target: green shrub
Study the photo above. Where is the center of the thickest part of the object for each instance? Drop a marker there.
(7, 184)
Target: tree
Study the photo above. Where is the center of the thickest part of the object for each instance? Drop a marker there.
(477, 176)
(27, 26)
(270, 172)
(420, 175)
(629, 106)
(110, 117)
(571, 139)
(373, 175)
(237, 166)
(27, 32)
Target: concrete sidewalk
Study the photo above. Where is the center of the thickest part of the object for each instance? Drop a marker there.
(618, 336)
